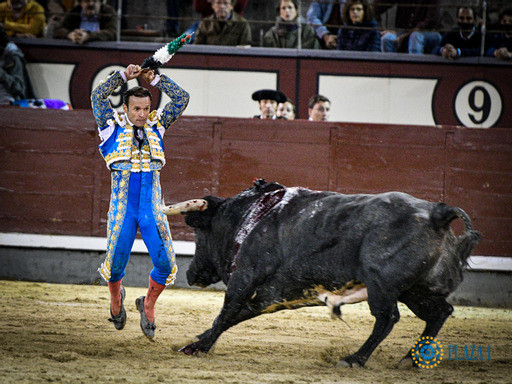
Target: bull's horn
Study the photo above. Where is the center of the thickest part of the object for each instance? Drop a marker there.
(185, 206)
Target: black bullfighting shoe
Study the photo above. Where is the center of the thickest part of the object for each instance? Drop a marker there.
(147, 326)
(119, 320)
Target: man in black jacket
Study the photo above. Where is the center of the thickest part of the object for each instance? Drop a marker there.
(465, 40)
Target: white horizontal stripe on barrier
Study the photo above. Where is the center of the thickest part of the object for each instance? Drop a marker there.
(87, 243)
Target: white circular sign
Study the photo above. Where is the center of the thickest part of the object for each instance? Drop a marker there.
(478, 104)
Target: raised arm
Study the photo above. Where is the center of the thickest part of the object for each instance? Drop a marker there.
(101, 107)
(179, 100)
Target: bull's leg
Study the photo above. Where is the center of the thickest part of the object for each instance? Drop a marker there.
(244, 314)
(386, 315)
(434, 310)
(233, 312)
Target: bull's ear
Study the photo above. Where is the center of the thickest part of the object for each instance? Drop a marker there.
(259, 183)
(272, 187)
(264, 186)
(202, 219)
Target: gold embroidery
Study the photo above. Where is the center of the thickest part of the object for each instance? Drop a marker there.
(116, 215)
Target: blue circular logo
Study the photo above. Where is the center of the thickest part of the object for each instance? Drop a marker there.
(427, 352)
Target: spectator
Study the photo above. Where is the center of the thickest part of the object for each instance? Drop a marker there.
(55, 11)
(204, 8)
(22, 18)
(224, 27)
(268, 99)
(13, 84)
(89, 21)
(464, 40)
(326, 18)
(286, 110)
(360, 31)
(319, 108)
(286, 31)
(415, 23)
(500, 44)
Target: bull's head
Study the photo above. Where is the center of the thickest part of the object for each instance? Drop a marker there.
(203, 269)
(215, 221)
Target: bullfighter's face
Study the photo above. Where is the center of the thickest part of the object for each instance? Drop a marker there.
(137, 110)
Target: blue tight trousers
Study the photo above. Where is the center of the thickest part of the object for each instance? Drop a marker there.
(134, 203)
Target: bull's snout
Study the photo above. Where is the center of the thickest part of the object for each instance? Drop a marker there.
(202, 279)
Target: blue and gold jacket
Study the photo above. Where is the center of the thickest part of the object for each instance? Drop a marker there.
(118, 146)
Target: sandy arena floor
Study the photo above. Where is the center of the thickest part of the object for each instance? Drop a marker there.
(60, 333)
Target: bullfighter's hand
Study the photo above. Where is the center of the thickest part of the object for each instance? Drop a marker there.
(148, 75)
(132, 71)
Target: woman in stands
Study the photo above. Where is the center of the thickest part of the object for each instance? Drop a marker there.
(360, 30)
(286, 31)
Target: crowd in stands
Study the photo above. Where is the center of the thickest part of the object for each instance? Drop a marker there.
(344, 25)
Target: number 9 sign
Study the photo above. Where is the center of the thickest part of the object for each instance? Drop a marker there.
(478, 104)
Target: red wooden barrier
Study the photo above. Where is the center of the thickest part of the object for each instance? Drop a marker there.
(53, 180)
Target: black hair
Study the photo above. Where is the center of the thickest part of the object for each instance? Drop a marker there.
(137, 92)
(469, 7)
(367, 9)
(278, 7)
(316, 99)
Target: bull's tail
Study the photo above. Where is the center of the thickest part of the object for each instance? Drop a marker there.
(442, 215)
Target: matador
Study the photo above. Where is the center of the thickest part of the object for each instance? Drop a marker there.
(132, 146)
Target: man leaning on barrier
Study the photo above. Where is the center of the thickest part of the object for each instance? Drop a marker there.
(465, 40)
(224, 27)
(89, 21)
(500, 44)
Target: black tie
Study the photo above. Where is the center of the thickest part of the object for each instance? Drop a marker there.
(139, 135)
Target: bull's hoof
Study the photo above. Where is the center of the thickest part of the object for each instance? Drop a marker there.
(192, 350)
(189, 350)
(343, 364)
(350, 362)
(406, 363)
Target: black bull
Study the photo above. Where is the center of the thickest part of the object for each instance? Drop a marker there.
(277, 248)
